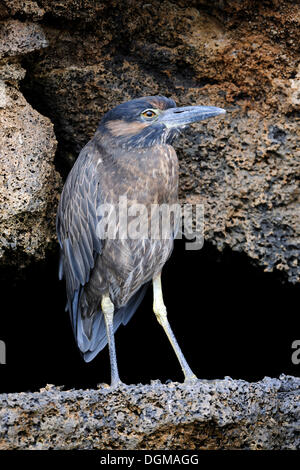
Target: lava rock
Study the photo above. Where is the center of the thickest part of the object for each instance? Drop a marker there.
(224, 414)
(243, 168)
(29, 183)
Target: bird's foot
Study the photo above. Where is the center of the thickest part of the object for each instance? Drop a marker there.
(117, 384)
(191, 379)
(208, 381)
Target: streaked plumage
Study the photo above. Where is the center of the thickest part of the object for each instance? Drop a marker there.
(130, 155)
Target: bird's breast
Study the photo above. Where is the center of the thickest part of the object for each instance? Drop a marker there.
(136, 246)
(146, 176)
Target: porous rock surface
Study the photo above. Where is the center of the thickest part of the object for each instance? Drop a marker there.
(226, 414)
(29, 183)
(242, 56)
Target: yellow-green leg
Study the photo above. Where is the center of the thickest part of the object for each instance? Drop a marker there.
(160, 311)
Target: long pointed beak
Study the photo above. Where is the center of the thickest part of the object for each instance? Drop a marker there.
(181, 117)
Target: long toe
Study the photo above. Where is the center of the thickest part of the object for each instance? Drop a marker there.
(191, 379)
(117, 384)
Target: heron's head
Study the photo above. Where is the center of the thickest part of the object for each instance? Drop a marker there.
(145, 122)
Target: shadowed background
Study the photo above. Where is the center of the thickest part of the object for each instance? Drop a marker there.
(239, 322)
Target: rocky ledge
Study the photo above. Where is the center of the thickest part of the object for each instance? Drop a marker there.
(224, 414)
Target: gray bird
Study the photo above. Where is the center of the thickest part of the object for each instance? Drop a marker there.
(106, 277)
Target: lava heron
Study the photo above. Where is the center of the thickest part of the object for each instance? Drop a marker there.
(106, 277)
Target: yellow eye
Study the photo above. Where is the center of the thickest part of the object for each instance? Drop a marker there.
(149, 113)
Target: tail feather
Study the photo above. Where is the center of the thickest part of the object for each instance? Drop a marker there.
(129, 309)
(90, 331)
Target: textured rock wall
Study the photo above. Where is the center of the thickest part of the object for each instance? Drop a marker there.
(243, 56)
(29, 183)
(227, 414)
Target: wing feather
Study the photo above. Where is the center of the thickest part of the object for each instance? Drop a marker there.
(76, 227)
(81, 254)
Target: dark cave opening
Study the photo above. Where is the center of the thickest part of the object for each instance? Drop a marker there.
(229, 317)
